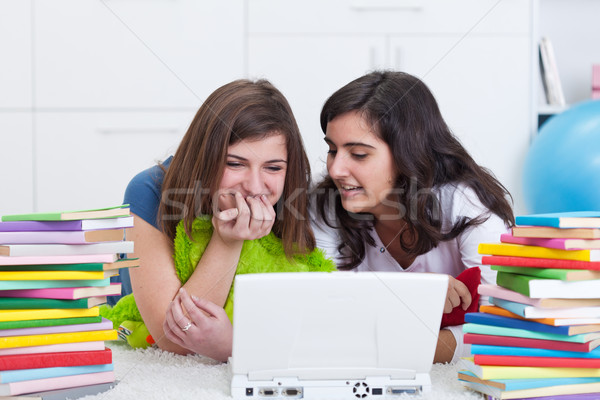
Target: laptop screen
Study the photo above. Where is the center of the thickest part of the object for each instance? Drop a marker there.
(339, 325)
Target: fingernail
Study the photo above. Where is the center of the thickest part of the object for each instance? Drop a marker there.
(194, 297)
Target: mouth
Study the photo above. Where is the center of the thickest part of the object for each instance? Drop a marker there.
(349, 190)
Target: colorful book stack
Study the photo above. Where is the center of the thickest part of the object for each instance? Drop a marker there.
(55, 271)
(539, 337)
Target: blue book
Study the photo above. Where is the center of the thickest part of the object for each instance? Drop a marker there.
(523, 333)
(531, 352)
(497, 320)
(18, 375)
(574, 219)
(520, 384)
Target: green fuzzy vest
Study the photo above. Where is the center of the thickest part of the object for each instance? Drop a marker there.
(260, 255)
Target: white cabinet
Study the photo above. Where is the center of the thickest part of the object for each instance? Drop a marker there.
(104, 89)
(131, 54)
(477, 57)
(86, 159)
(15, 48)
(16, 162)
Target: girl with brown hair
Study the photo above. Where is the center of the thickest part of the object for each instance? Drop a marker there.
(232, 199)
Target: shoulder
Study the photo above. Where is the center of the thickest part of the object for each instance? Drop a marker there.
(143, 192)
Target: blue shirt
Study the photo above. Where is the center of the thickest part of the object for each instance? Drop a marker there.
(143, 195)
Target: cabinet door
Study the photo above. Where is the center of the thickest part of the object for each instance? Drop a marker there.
(16, 162)
(135, 54)
(308, 69)
(482, 85)
(15, 47)
(86, 160)
(389, 16)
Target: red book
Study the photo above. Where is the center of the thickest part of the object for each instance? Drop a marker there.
(527, 361)
(540, 262)
(47, 360)
(475, 338)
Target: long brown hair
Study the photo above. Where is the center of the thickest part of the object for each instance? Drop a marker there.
(239, 110)
(404, 113)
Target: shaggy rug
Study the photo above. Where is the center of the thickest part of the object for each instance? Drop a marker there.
(154, 374)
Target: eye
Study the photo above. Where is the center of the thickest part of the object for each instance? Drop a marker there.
(333, 152)
(359, 156)
(274, 168)
(234, 164)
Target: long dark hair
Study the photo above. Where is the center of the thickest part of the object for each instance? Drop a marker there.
(239, 110)
(403, 112)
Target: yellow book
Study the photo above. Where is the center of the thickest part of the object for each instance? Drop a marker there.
(510, 372)
(26, 315)
(519, 250)
(55, 275)
(57, 338)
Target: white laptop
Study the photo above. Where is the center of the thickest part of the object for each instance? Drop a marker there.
(339, 335)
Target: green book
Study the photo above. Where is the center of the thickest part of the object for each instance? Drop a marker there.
(110, 212)
(550, 273)
(515, 282)
(123, 263)
(48, 322)
(13, 285)
(29, 303)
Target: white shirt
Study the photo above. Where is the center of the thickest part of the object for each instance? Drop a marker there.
(451, 257)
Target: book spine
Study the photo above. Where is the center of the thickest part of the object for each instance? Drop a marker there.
(540, 262)
(25, 303)
(57, 338)
(15, 315)
(55, 372)
(517, 283)
(62, 382)
(496, 340)
(40, 330)
(527, 361)
(47, 360)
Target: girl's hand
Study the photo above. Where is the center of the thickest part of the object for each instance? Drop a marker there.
(458, 294)
(250, 218)
(199, 325)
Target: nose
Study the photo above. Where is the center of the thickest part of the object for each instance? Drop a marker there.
(336, 166)
(254, 183)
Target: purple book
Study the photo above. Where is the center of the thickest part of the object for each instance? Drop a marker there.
(73, 225)
(44, 330)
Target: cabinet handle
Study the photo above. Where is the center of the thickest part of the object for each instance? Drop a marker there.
(383, 5)
(138, 131)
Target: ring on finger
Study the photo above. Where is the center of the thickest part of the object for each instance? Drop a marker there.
(186, 327)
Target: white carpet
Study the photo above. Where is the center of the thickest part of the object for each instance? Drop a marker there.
(154, 374)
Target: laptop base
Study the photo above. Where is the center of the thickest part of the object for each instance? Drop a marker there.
(376, 388)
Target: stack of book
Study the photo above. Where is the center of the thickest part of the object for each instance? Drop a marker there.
(539, 337)
(55, 271)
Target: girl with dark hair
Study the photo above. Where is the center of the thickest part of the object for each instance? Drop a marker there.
(402, 193)
(225, 203)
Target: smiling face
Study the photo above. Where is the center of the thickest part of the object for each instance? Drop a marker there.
(360, 164)
(254, 168)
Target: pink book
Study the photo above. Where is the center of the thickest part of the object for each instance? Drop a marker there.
(66, 293)
(61, 382)
(69, 259)
(55, 348)
(562, 244)
(41, 330)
